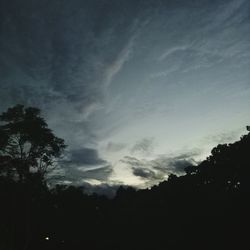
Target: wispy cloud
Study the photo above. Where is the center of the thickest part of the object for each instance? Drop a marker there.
(123, 56)
(227, 11)
(171, 51)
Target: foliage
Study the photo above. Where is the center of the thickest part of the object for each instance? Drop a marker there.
(26, 142)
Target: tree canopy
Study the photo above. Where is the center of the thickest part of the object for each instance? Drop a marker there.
(26, 143)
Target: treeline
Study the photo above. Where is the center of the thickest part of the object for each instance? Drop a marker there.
(208, 208)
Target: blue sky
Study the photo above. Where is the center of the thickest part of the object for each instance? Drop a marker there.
(138, 89)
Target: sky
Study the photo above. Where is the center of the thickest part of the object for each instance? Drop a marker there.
(138, 89)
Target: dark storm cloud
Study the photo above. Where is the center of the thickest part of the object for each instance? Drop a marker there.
(81, 164)
(86, 156)
(144, 173)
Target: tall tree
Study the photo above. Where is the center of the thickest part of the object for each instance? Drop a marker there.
(26, 143)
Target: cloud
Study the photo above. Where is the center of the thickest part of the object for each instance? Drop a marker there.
(78, 175)
(115, 147)
(158, 169)
(171, 51)
(144, 146)
(113, 69)
(85, 156)
(80, 165)
(174, 164)
(224, 137)
(227, 11)
(144, 170)
(145, 173)
(63, 63)
(132, 161)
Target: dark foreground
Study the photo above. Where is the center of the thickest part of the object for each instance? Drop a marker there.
(208, 208)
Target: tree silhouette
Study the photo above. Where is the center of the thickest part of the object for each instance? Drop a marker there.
(206, 208)
(26, 143)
